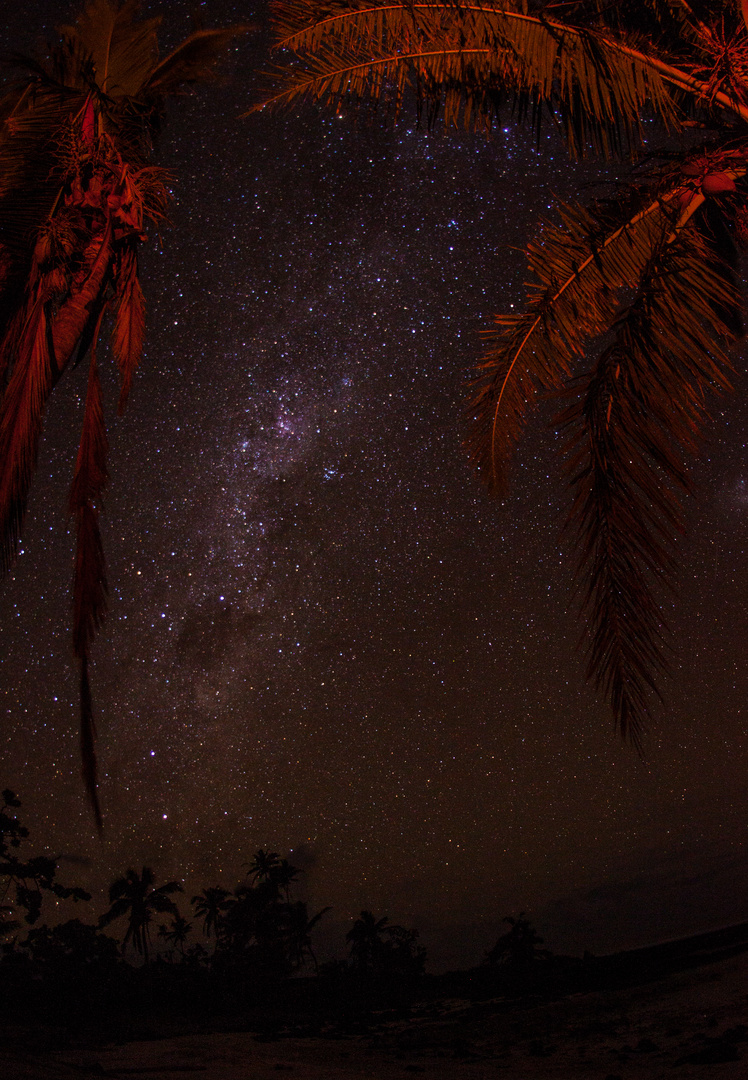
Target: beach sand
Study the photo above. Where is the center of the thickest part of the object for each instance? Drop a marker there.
(692, 1024)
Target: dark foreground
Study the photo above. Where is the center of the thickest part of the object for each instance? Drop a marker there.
(665, 1019)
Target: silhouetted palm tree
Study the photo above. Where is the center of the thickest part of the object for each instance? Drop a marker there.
(25, 878)
(298, 928)
(77, 193)
(517, 948)
(177, 933)
(262, 865)
(367, 941)
(210, 906)
(283, 877)
(135, 896)
(633, 300)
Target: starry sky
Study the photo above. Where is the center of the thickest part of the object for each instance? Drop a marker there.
(323, 636)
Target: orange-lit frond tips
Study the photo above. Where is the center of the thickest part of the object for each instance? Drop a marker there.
(505, 390)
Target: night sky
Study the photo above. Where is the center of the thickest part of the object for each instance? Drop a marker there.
(323, 636)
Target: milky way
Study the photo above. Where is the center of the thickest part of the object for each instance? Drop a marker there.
(322, 635)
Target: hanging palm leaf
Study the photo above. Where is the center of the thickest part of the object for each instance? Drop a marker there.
(77, 196)
(633, 302)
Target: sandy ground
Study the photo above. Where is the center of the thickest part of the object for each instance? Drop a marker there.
(688, 1025)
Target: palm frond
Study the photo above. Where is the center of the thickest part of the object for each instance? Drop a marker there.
(81, 305)
(129, 324)
(21, 414)
(633, 427)
(120, 905)
(122, 50)
(89, 583)
(89, 479)
(193, 61)
(28, 186)
(580, 267)
(471, 57)
(89, 767)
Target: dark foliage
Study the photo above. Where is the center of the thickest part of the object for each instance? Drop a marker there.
(25, 881)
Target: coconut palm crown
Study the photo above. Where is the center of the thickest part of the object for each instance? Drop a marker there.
(633, 301)
(78, 197)
(135, 896)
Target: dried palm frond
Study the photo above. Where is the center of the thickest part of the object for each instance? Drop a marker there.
(89, 584)
(129, 322)
(20, 425)
(77, 194)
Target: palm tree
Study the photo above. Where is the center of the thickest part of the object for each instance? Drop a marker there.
(263, 865)
(283, 877)
(298, 928)
(633, 299)
(210, 906)
(135, 896)
(367, 941)
(178, 933)
(516, 949)
(78, 194)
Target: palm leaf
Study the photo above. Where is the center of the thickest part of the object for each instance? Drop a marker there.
(21, 415)
(129, 323)
(122, 50)
(633, 427)
(81, 305)
(193, 61)
(89, 767)
(89, 479)
(580, 268)
(470, 58)
(89, 585)
(28, 187)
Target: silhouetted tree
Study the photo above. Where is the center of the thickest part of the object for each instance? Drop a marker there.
(177, 933)
(26, 880)
(283, 877)
(366, 940)
(404, 955)
(378, 948)
(262, 865)
(210, 906)
(298, 928)
(71, 944)
(516, 950)
(135, 896)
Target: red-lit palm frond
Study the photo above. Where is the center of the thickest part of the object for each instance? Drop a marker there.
(78, 194)
(596, 67)
(89, 583)
(633, 429)
(638, 410)
(632, 301)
